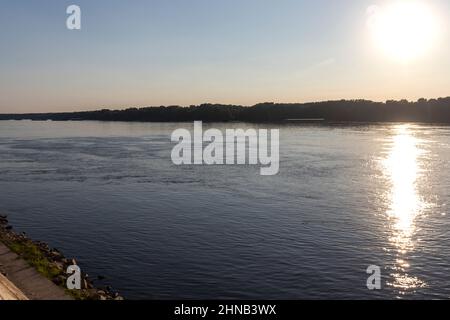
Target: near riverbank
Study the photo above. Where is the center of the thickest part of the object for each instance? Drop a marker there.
(32, 270)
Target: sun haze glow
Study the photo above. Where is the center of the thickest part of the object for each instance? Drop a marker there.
(404, 30)
(185, 53)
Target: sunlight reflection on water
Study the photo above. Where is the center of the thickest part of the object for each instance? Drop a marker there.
(404, 170)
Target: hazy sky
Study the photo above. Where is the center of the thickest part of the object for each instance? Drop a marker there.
(160, 52)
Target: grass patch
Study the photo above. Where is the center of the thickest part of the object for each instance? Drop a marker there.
(35, 258)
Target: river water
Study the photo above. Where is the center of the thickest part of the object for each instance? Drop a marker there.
(345, 198)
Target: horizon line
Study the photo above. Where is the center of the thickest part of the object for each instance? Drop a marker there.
(227, 104)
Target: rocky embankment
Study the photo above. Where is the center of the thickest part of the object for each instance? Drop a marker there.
(52, 264)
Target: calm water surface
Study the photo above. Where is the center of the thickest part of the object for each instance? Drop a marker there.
(346, 197)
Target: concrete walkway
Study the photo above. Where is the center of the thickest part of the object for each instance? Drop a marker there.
(23, 282)
(9, 291)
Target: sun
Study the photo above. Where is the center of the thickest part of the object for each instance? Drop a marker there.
(404, 30)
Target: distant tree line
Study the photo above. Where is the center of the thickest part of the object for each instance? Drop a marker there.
(423, 110)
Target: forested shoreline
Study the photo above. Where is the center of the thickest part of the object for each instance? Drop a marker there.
(423, 110)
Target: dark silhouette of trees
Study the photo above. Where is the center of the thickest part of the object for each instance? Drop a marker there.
(423, 110)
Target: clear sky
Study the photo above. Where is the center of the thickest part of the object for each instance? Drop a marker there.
(161, 52)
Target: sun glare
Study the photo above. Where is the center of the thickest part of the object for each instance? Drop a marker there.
(403, 168)
(404, 30)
